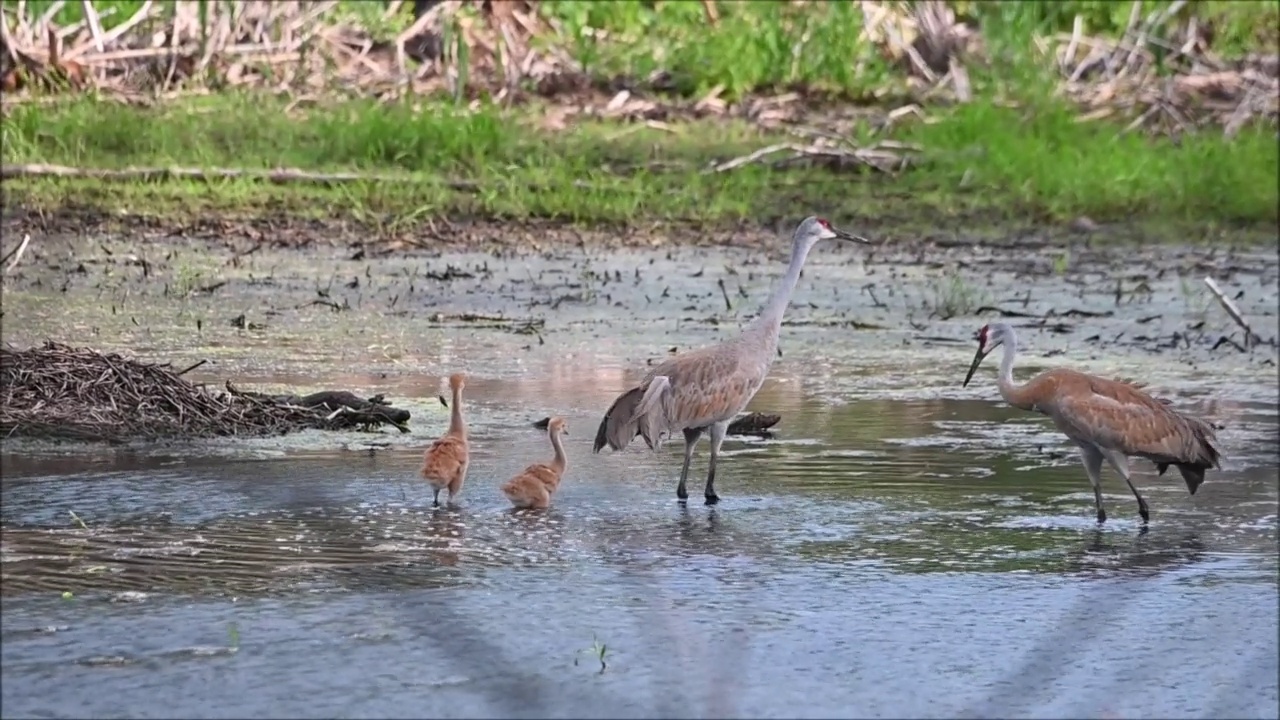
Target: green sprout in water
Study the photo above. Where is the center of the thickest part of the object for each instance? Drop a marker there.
(233, 636)
(955, 298)
(598, 649)
(1195, 302)
(1060, 262)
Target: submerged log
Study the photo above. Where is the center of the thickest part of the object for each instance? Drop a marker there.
(353, 409)
(753, 424)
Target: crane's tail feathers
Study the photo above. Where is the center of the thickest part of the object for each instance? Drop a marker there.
(1202, 455)
(617, 429)
(1193, 475)
(650, 414)
(1206, 455)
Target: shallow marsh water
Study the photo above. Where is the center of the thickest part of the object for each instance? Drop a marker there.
(901, 547)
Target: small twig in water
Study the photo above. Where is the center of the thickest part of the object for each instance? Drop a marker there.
(17, 254)
(1224, 340)
(193, 367)
(728, 306)
(1233, 311)
(76, 517)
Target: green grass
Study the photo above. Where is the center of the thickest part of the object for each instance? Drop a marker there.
(980, 160)
(983, 160)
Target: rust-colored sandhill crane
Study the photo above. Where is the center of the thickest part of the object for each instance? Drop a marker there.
(1108, 419)
(533, 487)
(701, 391)
(444, 464)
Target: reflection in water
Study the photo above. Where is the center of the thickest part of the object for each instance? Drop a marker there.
(1145, 554)
(848, 489)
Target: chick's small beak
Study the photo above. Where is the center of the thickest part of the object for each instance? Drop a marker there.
(442, 400)
(977, 360)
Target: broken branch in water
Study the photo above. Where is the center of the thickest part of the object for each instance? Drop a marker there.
(750, 424)
(1233, 311)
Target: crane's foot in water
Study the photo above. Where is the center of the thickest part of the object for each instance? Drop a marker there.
(712, 499)
(1102, 516)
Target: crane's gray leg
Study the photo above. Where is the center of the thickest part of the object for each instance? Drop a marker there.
(1093, 465)
(718, 431)
(1121, 464)
(691, 436)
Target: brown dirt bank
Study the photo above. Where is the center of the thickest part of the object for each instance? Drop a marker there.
(910, 233)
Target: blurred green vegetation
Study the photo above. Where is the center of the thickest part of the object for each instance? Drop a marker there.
(1029, 158)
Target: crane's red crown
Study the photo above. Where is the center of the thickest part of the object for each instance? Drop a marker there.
(982, 335)
(823, 222)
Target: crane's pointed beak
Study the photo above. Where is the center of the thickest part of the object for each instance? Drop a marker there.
(850, 237)
(977, 360)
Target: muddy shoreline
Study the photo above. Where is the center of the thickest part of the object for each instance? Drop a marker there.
(257, 303)
(898, 226)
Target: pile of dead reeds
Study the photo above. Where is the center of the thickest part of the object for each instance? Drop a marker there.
(288, 46)
(1161, 74)
(61, 392)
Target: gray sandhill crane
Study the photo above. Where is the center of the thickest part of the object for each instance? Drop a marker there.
(702, 390)
(1108, 419)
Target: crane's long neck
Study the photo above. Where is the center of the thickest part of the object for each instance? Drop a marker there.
(1012, 394)
(457, 425)
(558, 461)
(770, 318)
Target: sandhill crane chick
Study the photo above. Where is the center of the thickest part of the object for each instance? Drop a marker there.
(1108, 419)
(444, 465)
(534, 486)
(701, 391)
